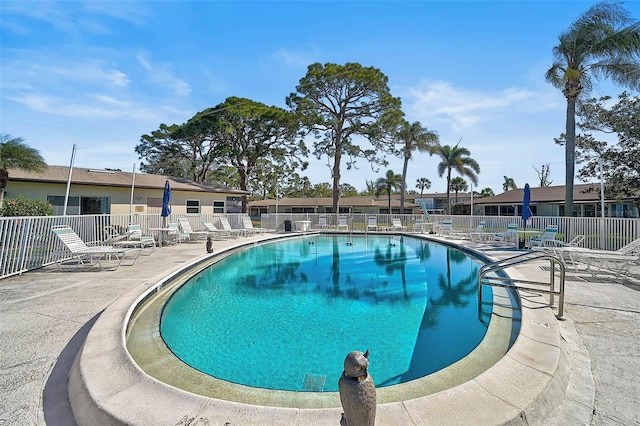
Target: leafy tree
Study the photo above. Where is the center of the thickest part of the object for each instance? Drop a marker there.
(423, 183)
(370, 188)
(338, 103)
(14, 153)
(602, 43)
(508, 184)
(347, 190)
(226, 176)
(456, 158)
(190, 150)
(22, 206)
(487, 192)
(322, 189)
(389, 183)
(543, 175)
(251, 132)
(458, 184)
(413, 137)
(619, 161)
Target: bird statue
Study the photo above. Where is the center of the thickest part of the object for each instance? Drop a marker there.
(357, 391)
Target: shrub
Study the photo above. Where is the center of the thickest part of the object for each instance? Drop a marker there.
(25, 207)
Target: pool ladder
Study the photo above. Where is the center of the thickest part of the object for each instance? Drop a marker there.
(490, 275)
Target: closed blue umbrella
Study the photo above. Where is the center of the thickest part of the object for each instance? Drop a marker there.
(526, 211)
(166, 200)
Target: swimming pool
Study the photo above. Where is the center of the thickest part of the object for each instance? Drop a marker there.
(283, 315)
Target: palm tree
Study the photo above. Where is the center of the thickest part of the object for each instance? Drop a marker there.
(413, 137)
(601, 43)
(390, 182)
(487, 192)
(508, 184)
(423, 183)
(456, 158)
(458, 184)
(14, 153)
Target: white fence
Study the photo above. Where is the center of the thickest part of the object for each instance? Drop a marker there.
(28, 243)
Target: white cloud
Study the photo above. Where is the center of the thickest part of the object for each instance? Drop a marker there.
(294, 58)
(458, 108)
(161, 74)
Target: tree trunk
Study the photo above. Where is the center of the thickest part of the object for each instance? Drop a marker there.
(4, 180)
(404, 183)
(336, 174)
(449, 191)
(570, 155)
(243, 185)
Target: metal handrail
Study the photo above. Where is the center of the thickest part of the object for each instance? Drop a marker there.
(508, 282)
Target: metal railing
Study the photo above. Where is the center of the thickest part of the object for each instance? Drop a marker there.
(490, 274)
(27, 243)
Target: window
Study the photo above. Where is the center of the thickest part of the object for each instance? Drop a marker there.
(218, 206)
(79, 205)
(193, 206)
(234, 204)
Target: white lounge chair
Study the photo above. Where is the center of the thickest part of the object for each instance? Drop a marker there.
(372, 223)
(175, 234)
(595, 261)
(547, 238)
(418, 226)
(479, 234)
(136, 239)
(83, 252)
(342, 223)
(226, 226)
(396, 225)
(187, 229)
(322, 223)
(248, 227)
(510, 236)
(215, 232)
(446, 228)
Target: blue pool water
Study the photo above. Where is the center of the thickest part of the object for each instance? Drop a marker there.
(283, 315)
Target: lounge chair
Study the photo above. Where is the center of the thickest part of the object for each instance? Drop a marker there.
(595, 261)
(186, 228)
(215, 232)
(248, 227)
(342, 223)
(510, 236)
(418, 226)
(322, 223)
(479, 234)
(83, 252)
(136, 239)
(372, 223)
(547, 238)
(226, 226)
(175, 234)
(447, 229)
(396, 225)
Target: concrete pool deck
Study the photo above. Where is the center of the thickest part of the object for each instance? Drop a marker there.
(45, 316)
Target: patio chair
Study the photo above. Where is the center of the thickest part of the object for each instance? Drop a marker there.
(396, 225)
(510, 236)
(176, 235)
(185, 225)
(136, 239)
(83, 252)
(547, 238)
(595, 261)
(322, 223)
(226, 226)
(446, 228)
(215, 232)
(342, 223)
(248, 227)
(372, 222)
(479, 234)
(418, 226)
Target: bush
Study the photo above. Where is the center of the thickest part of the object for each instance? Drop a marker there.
(25, 207)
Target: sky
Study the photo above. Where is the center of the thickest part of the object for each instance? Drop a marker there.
(100, 74)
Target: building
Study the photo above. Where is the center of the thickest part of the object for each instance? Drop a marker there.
(97, 191)
(549, 201)
(435, 203)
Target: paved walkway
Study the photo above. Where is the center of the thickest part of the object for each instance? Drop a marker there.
(45, 315)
